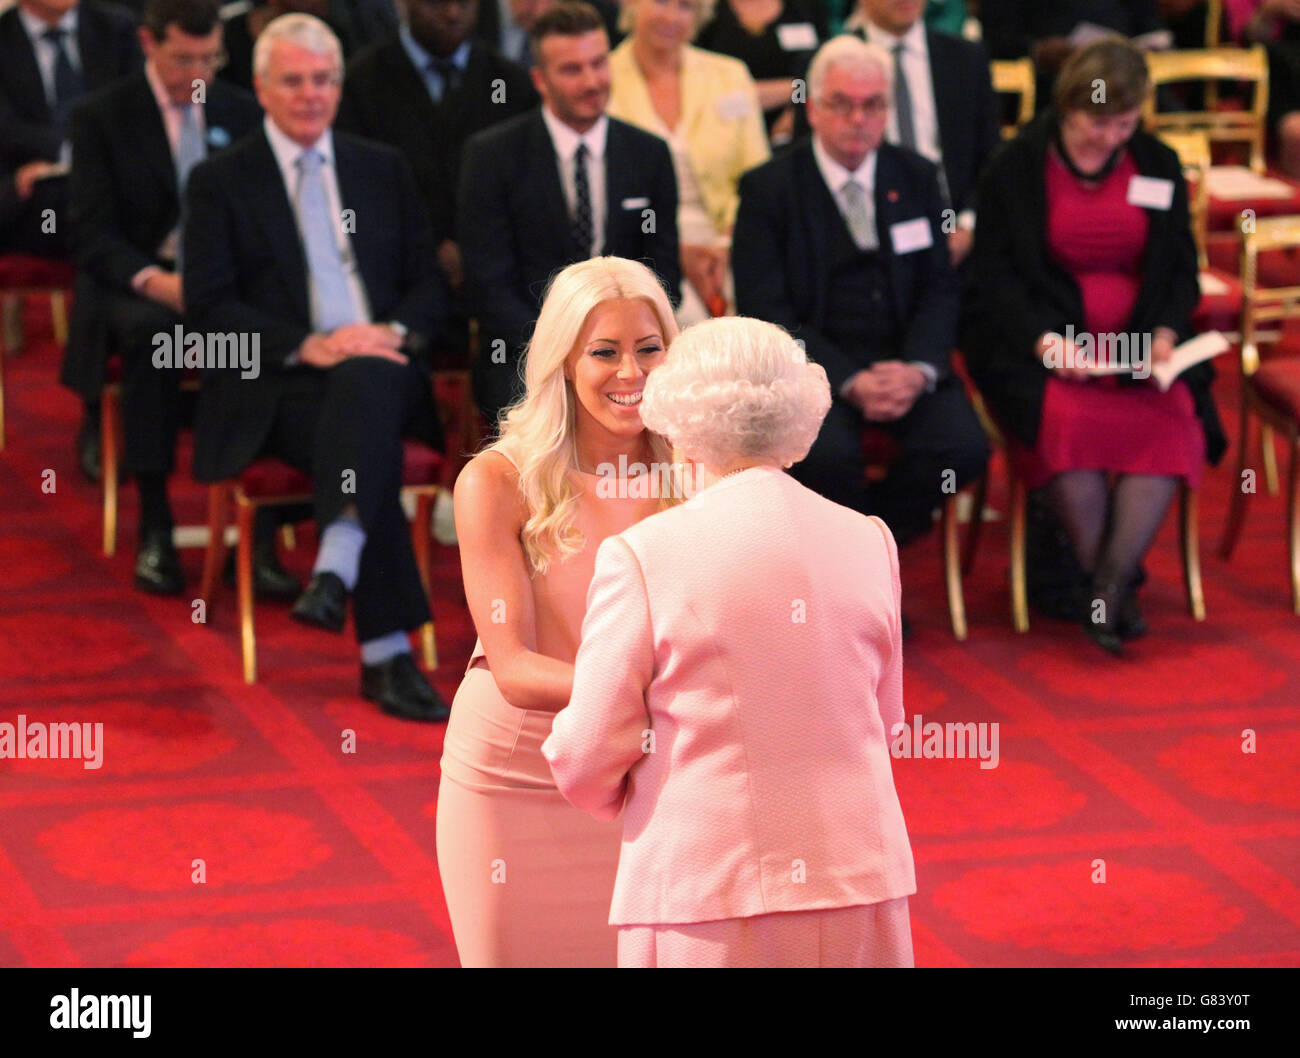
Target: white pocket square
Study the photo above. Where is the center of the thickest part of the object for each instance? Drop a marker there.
(635, 203)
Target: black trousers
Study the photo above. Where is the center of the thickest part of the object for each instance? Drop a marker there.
(28, 229)
(344, 427)
(496, 385)
(151, 396)
(940, 433)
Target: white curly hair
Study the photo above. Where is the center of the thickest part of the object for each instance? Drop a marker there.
(736, 388)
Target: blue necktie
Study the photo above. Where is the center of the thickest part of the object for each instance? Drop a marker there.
(190, 150)
(68, 86)
(332, 304)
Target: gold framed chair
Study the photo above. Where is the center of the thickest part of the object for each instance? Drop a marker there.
(1016, 77)
(1270, 389)
(1209, 67)
(270, 483)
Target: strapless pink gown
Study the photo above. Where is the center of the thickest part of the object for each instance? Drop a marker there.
(528, 878)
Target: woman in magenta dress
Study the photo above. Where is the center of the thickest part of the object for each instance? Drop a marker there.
(527, 877)
(1084, 230)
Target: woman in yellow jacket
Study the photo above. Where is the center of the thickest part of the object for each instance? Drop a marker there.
(706, 107)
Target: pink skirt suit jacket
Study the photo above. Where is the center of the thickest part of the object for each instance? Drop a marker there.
(740, 670)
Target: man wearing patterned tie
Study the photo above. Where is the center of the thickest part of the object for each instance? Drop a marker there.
(840, 241)
(135, 143)
(318, 243)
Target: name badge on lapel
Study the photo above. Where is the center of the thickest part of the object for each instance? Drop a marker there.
(911, 235)
(1150, 192)
(635, 203)
(797, 36)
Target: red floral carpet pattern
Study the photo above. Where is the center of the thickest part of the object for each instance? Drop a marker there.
(1123, 825)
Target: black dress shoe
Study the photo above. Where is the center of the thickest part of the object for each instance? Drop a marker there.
(1102, 623)
(324, 604)
(270, 579)
(401, 689)
(88, 448)
(1130, 623)
(157, 566)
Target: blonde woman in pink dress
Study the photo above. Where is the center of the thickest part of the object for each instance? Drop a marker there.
(740, 677)
(528, 877)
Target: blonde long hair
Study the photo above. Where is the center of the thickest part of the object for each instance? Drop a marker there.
(538, 432)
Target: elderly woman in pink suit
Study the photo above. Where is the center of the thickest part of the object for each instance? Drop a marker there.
(740, 669)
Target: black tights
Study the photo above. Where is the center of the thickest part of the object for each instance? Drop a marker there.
(1136, 507)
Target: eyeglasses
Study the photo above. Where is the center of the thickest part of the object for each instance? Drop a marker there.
(292, 82)
(846, 108)
(213, 62)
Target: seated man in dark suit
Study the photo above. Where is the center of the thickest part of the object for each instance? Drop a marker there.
(840, 242)
(52, 52)
(425, 90)
(520, 221)
(135, 143)
(316, 243)
(944, 107)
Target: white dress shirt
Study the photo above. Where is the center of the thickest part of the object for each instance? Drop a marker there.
(565, 141)
(286, 153)
(836, 176)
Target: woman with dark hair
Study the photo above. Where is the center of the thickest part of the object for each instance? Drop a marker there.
(1084, 244)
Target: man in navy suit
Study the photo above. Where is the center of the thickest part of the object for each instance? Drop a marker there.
(944, 106)
(841, 242)
(52, 53)
(559, 184)
(135, 143)
(318, 244)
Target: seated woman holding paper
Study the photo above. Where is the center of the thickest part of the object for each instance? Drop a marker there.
(1084, 231)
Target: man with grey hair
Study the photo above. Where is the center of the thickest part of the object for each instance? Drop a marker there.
(840, 241)
(318, 243)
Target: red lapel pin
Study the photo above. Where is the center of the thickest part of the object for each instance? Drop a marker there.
(892, 196)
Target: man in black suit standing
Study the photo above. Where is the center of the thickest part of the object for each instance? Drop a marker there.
(554, 186)
(425, 90)
(316, 243)
(135, 143)
(840, 242)
(944, 108)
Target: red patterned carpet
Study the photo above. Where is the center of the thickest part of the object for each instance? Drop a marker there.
(316, 856)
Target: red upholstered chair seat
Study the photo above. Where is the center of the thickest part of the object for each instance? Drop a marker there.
(1220, 311)
(1277, 382)
(19, 270)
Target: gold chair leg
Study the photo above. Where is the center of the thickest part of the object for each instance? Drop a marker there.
(975, 530)
(289, 537)
(11, 324)
(1269, 457)
(215, 556)
(59, 316)
(245, 515)
(421, 543)
(952, 569)
(1019, 591)
(1293, 520)
(108, 460)
(1237, 502)
(1190, 533)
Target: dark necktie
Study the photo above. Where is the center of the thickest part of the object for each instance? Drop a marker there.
(582, 225)
(448, 72)
(68, 86)
(903, 102)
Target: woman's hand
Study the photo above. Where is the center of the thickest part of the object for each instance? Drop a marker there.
(705, 270)
(1060, 355)
(1164, 341)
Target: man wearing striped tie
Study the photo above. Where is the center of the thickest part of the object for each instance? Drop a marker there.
(134, 144)
(318, 243)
